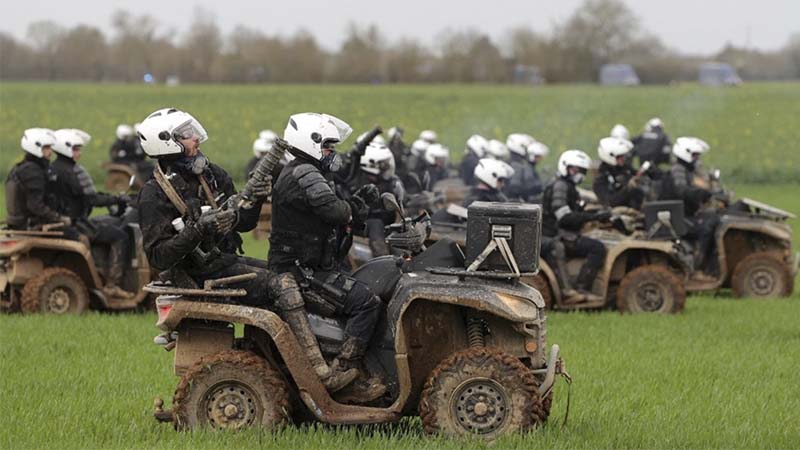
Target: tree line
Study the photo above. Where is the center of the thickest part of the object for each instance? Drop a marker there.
(598, 32)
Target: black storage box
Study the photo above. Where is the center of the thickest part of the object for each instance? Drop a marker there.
(675, 208)
(519, 223)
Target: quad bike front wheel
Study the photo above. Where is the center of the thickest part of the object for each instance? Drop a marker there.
(482, 392)
(651, 288)
(55, 291)
(231, 390)
(762, 274)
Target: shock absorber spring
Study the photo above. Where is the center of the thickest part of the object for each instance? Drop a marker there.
(475, 332)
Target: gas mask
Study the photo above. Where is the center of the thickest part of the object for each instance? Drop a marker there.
(196, 165)
(331, 162)
(578, 177)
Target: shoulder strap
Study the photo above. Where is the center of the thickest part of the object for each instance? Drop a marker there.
(170, 191)
(207, 191)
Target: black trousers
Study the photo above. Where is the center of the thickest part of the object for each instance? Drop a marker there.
(594, 251)
(701, 230)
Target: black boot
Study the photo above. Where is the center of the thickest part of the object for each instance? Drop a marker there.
(365, 389)
(116, 267)
(584, 283)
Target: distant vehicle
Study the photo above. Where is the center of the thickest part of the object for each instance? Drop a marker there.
(718, 74)
(525, 74)
(618, 75)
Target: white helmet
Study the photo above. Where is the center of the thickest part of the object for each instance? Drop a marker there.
(84, 135)
(376, 140)
(418, 147)
(160, 131)
(477, 144)
(124, 131)
(429, 136)
(261, 146)
(33, 139)
(394, 132)
(687, 146)
(653, 123)
(518, 143)
(489, 171)
(536, 149)
(66, 140)
(267, 135)
(575, 158)
(136, 127)
(311, 132)
(436, 152)
(619, 131)
(497, 150)
(378, 160)
(610, 148)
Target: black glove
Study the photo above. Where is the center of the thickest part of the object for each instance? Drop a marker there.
(602, 216)
(217, 221)
(368, 193)
(261, 189)
(123, 199)
(358, 209)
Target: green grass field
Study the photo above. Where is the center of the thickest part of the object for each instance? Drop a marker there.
(720, 375)
(752, 130)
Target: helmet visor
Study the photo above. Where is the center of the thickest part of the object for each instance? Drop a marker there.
(341, 126)
(189, 130)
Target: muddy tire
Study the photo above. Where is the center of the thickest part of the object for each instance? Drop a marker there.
(540, 283)
(482, 392)
(55, 291)
(231, 390)
(651, 288)
(762, 274)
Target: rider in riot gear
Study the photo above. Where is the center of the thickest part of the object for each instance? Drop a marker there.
(653, 145)
(525, 185)
(310, 237)
(191, 229)
(76, 196)
(616, 184)
(437, 157)
(491, 176)
(563, 218)
(26, 184)
(473, 152)
(378, 168)
(266, 138)
(681, 184)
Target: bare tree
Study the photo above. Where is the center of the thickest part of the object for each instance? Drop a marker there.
(360, 58)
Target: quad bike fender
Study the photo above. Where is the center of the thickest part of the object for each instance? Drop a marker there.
(780, 231)
(310, 388)
(115, 167)
(81, 262)
(552, 281)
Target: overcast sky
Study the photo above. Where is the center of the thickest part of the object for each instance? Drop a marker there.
(691, 26)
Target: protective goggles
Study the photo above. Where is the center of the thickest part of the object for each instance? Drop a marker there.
(189, 130)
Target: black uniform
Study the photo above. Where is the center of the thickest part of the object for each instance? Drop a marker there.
(612, 189)
(679, 185)
(126, 151)
(309, 222)
(467, 168)
(168, 249)
(25, 194)
(378, 216)
(654, 146)
(525, 185)
(435, 173)
(563, 217)
(481, 193)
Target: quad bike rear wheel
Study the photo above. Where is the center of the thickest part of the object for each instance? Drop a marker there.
(55, 291)
(482, 392)
(762, 274)
(231, 390)
(651, 288)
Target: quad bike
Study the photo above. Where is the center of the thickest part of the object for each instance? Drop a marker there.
(639, 274)
(753, 243)
(43, 272)
(118, 175)
(462, 348)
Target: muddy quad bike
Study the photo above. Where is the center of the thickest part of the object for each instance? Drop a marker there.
(639, 274)
(118, 175)
(753, 247)
(462, 348)
(43, 272)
